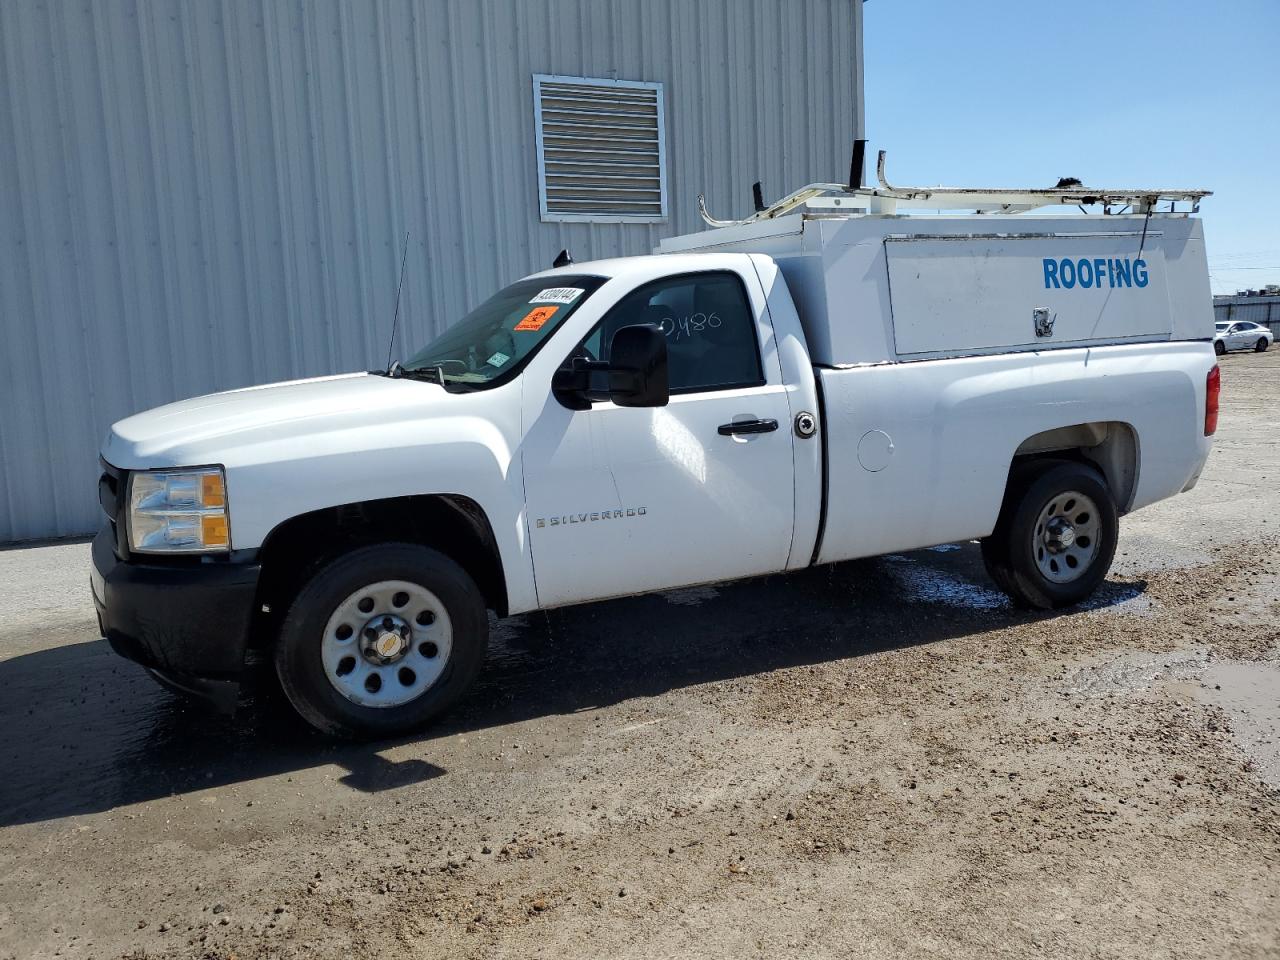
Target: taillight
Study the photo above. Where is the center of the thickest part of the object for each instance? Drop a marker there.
(1212, 387)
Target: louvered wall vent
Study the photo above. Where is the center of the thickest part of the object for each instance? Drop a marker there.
(601, 149)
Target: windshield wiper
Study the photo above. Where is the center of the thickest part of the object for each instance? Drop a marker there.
(435, 373)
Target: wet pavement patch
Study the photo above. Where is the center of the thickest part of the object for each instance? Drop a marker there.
(929, 584)
(1135, 672)
(1248, 692)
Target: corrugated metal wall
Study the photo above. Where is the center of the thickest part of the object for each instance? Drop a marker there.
(202, 195)
(1264, 310)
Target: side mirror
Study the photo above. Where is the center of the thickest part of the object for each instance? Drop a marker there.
(571, 384)
(638, 367)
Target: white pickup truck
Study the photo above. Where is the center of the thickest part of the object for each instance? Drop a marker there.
(827, 379)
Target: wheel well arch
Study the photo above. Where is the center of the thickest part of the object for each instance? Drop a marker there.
(1110, 445)
(453, 524)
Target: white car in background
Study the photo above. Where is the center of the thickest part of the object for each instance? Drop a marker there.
(1241, 335)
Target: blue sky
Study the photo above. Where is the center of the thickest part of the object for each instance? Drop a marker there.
(1120, 94)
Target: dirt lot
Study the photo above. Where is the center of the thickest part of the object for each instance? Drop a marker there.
(875, 760)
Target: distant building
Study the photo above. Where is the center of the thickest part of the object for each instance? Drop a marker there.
(1257, 306)
(205, 195)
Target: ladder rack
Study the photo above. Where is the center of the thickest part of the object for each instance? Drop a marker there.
(840, 198)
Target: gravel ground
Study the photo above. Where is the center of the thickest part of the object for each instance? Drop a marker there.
(875, 759)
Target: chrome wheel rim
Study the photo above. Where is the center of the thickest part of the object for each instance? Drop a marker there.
(1064, 541)
(387, 644)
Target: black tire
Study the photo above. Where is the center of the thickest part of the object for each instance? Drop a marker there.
(995, 558)
(1261, 345)
(995, 548)
(1012, 551)
(1219, 347)
(297, 651)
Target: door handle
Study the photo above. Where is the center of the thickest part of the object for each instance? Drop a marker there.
(747, 426)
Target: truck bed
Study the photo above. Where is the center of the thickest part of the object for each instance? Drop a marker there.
(918, 453)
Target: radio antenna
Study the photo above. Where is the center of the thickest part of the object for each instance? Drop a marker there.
(395, 321)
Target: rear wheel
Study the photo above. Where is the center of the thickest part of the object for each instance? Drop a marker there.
(381, 641)
(995, 558)
(1056, 535)
(1219, 347)
(1261, 345)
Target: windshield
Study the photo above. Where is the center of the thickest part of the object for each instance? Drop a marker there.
(1221, 326)
(492, 343)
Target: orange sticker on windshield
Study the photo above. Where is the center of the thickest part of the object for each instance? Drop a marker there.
(535, 318)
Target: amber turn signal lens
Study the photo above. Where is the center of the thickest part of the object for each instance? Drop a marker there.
(212, 492)
(214, 529)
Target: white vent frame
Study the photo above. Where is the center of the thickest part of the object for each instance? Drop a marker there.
(604, 215)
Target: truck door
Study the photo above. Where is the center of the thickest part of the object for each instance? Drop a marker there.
(625, 500)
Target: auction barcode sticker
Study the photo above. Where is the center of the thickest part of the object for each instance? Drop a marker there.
(557, 295)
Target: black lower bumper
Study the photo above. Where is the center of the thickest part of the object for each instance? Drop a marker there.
(188, 623)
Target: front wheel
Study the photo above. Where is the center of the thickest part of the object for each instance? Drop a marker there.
(1056, 535)
(1261, 345)
(381, 641)
(1219, 347)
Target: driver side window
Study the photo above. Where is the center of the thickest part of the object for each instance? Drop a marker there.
(708, 323)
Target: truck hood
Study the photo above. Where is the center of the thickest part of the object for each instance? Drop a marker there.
(210, 429)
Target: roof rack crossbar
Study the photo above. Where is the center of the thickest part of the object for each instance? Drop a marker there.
(983, 200)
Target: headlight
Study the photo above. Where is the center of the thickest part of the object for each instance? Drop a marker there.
(178, 511)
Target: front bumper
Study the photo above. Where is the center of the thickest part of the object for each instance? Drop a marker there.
(188, 623)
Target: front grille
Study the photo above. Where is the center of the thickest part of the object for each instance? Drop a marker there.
(109, 495)
(112, 487)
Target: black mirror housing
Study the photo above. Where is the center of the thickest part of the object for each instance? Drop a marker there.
(570, 385)
(638, 367)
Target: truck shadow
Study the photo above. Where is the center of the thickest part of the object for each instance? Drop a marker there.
(84, 731)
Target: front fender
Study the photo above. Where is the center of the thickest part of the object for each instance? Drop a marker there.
(270, 484)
